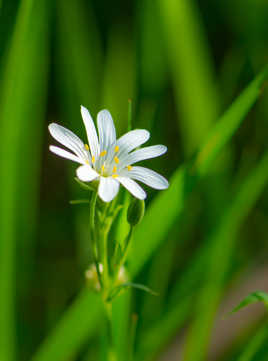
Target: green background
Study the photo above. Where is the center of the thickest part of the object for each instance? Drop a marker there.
(203, 243)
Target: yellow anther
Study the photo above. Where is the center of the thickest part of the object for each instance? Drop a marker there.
(87, 162)
(115, 175)
(103, 153)
(116, 159)
(114, 169)
(129, 167)
(102, 168)
(86, 147)
(116, 149)
(93, 159)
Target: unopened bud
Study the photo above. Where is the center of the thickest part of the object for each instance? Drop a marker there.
(135, 211)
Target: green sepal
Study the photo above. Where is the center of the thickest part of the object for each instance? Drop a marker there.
(88, 186)
(125, 286)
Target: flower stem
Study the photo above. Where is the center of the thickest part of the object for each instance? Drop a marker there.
(111, 348)
(92, 226)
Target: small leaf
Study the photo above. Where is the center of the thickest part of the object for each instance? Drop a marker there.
(253, 297)
(88, 187)
(79, 201)
(117, 290)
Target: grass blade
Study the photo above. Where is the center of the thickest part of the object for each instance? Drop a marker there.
(254, 344)
(22, 111)
(75, 327)
(192, 70)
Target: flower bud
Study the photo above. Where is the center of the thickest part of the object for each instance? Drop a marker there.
(92, 280)
(135, 211)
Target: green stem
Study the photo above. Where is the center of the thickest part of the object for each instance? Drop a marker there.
(93, 234)
(111, 350)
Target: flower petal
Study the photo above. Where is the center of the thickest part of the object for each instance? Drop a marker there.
(142, 154)
(146, 176)
(108, 188)
(133, 187)
(132, 140)
(91, 132)
(67, 138)
(107, 134)
(63, 153)
(86, 174)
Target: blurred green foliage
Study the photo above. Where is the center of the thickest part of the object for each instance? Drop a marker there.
(183, 63)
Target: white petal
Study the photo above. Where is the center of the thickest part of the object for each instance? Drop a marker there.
(142, 154)
(62, 153)
(132, 140)
(86, 174)
(108, 188)
(133, 187)
(91, 132)
(67, 138)
(147, 176)
(106, 129)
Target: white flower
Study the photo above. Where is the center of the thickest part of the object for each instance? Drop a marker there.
(108, 159)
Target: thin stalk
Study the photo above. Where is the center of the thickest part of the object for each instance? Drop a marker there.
(93, 234)
(111, 350)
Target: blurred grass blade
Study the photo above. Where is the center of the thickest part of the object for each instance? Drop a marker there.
(222, 245)
(159, 334)
(145, 243)
(23, 91)
(153, 73)
(73, 330)
(79, 48)
(192, 70)
(119, 77)
(184, 179)
(253, 297)
(255, 344)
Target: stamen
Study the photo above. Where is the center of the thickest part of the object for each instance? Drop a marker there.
(114, 169)
(86, 147)
(87, 162)
(103, 153)
(93, 159)
(115, 175)
(102, 168)
(116, 149)
(129, 167)
(116, 160)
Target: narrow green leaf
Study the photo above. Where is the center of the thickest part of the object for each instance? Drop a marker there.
(192, 70)
(253, 297)
(73, 330)
(79, 201)
(254, 344)
(23, 97)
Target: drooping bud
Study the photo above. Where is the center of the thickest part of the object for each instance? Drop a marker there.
(135, 211)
